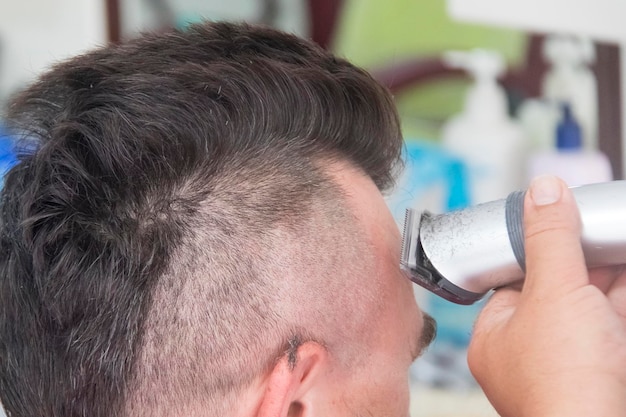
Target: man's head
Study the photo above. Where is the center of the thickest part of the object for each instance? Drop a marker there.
(196, 229)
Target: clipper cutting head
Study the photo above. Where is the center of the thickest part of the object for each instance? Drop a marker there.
(419, 269)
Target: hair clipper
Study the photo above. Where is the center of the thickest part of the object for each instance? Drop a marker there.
(464, 254)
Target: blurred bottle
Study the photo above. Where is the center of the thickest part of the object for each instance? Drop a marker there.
(490, 143)
(570, 161)
(570, 80)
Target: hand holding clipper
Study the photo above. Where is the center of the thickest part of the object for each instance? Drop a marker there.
(464, 254)
(557, 346)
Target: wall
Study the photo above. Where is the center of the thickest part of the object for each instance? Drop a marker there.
(35, 34)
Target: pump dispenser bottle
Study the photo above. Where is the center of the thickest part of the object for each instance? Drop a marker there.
(570, 161)
(488, 141)
(571, 80)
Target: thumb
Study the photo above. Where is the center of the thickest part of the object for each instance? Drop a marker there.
(555, 262)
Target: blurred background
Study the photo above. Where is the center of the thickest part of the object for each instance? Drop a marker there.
(490, 94)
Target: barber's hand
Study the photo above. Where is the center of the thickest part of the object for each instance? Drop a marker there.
(558, 346)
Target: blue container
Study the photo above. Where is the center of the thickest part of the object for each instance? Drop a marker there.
(7, 153)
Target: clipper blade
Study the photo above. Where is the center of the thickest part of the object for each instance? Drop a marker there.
(417, 266)
(407, 235)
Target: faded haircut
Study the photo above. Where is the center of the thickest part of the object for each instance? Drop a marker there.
(164, 189)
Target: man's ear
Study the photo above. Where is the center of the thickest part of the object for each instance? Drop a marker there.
(291, 384)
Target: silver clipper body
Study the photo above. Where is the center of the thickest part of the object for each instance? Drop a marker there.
(464, 254)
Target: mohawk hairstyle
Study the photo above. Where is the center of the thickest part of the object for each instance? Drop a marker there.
(133, 149)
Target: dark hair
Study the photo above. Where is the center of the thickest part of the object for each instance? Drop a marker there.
(146, 158)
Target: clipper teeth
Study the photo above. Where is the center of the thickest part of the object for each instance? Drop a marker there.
(406, 236)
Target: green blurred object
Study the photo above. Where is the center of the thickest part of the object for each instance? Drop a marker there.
(374, 33)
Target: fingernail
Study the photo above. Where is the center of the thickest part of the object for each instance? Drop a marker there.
(545, 190)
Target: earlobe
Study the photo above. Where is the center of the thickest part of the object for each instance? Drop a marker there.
(290, 386)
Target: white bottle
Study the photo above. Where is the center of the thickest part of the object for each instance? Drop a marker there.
(570, 80)
(570, 161)
(488, 141)
(539, 118)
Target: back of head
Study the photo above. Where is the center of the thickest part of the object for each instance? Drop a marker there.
(157, 220)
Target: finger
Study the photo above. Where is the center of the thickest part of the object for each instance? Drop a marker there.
(554, 258)
(490, 322)
(604, 277)
(499, 308)
(617, 294)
